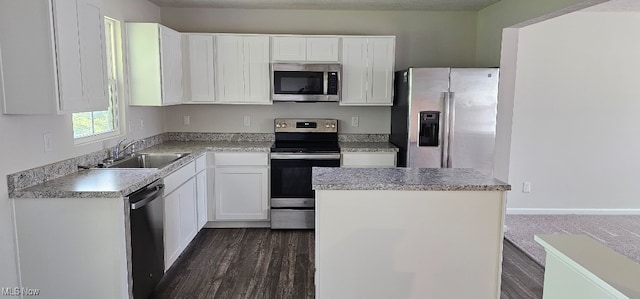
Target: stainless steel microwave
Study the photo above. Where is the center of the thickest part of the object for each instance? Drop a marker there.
(298, 82)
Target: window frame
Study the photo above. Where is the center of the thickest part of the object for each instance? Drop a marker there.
(114, 80)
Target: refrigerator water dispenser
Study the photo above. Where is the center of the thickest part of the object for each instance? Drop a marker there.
(429, 128)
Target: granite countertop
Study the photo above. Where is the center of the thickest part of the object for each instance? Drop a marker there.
(118, 182)
(420, 179)
(347, 147)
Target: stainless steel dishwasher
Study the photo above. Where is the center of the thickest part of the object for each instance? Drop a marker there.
(147, 238)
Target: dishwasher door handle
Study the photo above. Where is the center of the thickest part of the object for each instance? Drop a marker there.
(148, 197)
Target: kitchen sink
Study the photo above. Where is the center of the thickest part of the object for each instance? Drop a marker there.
(152, 160)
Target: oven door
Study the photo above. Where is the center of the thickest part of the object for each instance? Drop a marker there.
(292, 199)
(291, 174)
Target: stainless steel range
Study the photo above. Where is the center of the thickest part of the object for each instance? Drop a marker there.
(300, 145)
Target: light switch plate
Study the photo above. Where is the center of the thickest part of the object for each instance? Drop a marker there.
(186, 120)
(354, 121)
(526, 187)
(48, 142)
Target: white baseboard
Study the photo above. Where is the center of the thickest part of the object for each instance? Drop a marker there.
(515, 211)
(237, 224)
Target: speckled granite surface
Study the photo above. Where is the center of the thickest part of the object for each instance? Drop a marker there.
(92, 183)
(109, 183)
(621, 233)
(363, 138)
(428, 179)
(346, 147)
(62, 179)
(195, 136)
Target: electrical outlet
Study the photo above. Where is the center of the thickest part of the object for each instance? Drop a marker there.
(247, 121)
(354, 121)
(142, 123)
(48, 142)
(186, 120)
(526, 187)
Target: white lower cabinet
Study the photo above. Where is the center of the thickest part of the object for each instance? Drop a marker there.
(181, 209)
(188, 218)
(368, 159)
(201, 193)
(241, 187)
(171, 229)
(241, 193)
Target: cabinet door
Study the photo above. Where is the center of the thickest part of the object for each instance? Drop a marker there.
(93, 55)
(201, 198)
(188, 218)
(381, 61)
(256, 69)
(229, 66)
(201, 68)
(171, 67)
(27, 43)
(211, 198)
(354, 70)
(241, 193)
(68, 56)
(322, 49)
(171, 228)
(287, 48)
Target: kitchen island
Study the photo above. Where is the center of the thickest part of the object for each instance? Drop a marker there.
(408, 233)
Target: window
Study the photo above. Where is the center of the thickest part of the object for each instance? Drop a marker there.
(95, 125)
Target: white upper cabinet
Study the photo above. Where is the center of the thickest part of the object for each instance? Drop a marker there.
(305, 49)
(155, 65)
(242, 69)
(58, 46)
(289, 48)
(198, 66)
(367, 71)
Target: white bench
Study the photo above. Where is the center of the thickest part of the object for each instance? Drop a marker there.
(579, 267)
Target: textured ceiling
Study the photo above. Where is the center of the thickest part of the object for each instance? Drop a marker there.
(427, 5)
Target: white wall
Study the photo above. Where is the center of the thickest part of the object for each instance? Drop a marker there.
(22, 147)
(575, 115)
(226, 118)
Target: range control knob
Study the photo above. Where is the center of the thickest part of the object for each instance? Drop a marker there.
(278, 125)
(327, 126)
(284, 125)
(333, 126)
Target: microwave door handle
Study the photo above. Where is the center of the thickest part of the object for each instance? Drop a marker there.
(325, 82)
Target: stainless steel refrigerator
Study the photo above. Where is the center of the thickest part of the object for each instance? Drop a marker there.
(445, 117)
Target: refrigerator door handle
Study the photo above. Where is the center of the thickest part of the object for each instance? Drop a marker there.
(444, 159)
(451, 128)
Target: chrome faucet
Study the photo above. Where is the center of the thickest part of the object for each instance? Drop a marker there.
(116, 153)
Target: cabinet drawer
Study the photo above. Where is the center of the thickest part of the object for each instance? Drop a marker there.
(241, 159)
(178, 177)
(201, 163)
(385, 159)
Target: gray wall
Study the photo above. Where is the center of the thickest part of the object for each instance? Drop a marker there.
(423, 39)
(505, 13)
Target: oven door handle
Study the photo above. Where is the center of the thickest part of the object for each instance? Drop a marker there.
(303, 156)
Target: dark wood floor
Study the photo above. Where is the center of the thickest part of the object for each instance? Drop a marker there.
(261, 263)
